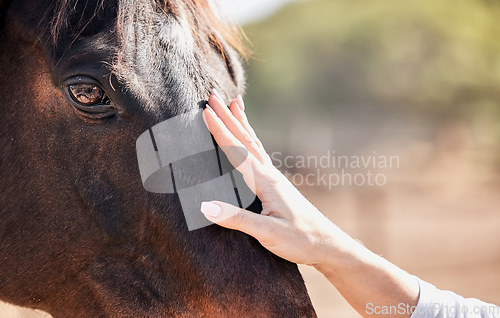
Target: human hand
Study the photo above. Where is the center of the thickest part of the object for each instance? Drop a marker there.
(289, 225)
(292, 228)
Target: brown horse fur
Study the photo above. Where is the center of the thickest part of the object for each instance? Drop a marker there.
(79, 236)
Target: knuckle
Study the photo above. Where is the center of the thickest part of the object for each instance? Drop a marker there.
(239, 219)
(243, 117)
(248, 138)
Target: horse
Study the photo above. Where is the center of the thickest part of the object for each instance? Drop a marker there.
(79, 236)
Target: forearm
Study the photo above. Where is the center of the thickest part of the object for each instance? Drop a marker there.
(373, 286)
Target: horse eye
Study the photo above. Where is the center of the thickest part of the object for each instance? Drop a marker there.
(88, 94)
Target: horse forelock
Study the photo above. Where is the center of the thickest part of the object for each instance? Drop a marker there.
(162, 44)
(156, 48)
(202, 18)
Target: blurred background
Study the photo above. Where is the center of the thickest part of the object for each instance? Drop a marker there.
(418, 80)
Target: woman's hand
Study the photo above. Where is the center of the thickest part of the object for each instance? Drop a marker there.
(289, 225)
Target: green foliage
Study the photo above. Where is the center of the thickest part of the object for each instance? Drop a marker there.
(439, 58)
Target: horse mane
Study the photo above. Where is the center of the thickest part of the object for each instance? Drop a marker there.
(203, 21)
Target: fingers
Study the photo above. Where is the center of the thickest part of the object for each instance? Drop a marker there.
(235, 218)
(236, 128)
(216, 126)
(245, 162)
(239, 114)
(237, 108)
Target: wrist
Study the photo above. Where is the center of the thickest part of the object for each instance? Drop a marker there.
(342, 256)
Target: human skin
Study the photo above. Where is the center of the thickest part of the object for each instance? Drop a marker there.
(292, 228)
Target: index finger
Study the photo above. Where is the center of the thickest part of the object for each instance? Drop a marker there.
(238, 155)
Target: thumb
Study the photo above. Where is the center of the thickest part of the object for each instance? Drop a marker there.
(235, 218)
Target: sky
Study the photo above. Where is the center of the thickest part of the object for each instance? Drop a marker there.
(247, 11)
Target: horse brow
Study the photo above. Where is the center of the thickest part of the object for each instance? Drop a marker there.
(204, 21)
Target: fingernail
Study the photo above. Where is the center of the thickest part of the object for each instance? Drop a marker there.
(204, 118)
(210, 209)
(219, 96)
(240, 102)
(210, 108)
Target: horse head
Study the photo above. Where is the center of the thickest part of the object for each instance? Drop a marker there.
(79, 236)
